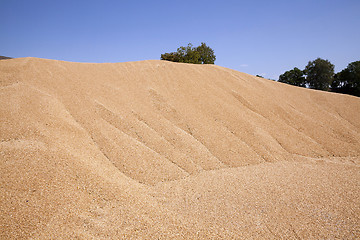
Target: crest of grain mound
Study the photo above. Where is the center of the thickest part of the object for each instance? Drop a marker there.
(158, 149)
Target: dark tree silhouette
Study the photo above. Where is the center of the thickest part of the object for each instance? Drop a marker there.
(319, 74)
(293, 77)
(348, 80)
(189, 54)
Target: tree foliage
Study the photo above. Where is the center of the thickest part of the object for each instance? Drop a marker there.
(189, 54)
(3, 58)
(293, 77)
(207, 55)
(319, 74)
(173, 57)
(348, 80)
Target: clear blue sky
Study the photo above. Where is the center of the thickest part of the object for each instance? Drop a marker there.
(257, 37)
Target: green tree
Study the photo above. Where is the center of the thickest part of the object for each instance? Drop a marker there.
(173, 57)
(348, 80)
(207, 55)
(293, 77)
(3, 58)
(189, 54)
(319, 74)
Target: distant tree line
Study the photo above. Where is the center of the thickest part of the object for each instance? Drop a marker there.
(202, 54)
(3, 58)
(319, 74)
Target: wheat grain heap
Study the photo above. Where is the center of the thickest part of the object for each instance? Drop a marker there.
(156, 149)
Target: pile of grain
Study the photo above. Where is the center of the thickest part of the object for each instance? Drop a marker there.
(155, 149)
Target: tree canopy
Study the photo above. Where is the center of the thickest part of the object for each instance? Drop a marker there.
(348, 80)
(319, 74)
(3, 58)
(202, 54)
(293, 77)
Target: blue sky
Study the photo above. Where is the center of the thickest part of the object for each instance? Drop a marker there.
(256, 37)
